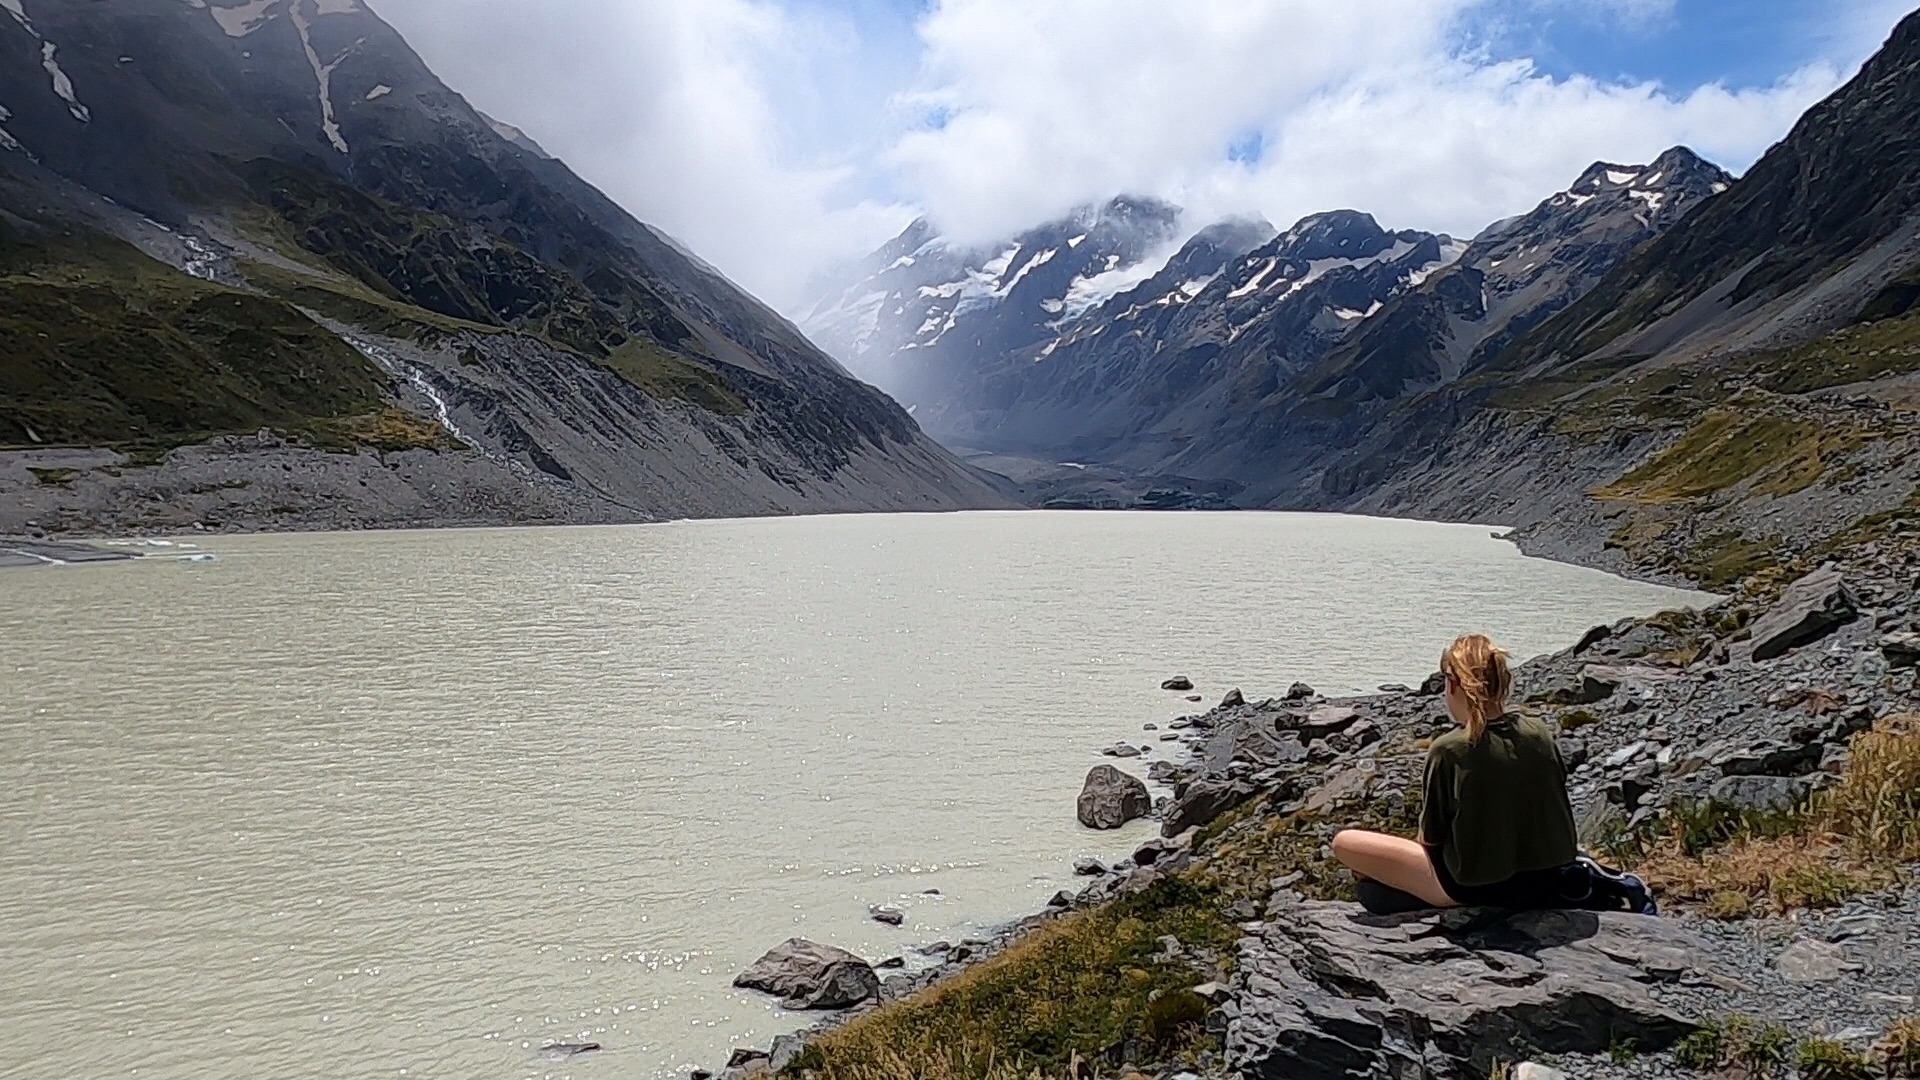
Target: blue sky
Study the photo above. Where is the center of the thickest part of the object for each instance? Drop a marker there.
(1737, 42)
(780, 138)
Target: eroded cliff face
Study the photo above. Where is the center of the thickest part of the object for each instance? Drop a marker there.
(212, 208)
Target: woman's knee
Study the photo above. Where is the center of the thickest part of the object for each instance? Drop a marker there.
(1349, 842)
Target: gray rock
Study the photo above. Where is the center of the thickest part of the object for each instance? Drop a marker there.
(1300, 692)
(1061, 899)
(1769, 759)
(1807, 611)
(1347, 784)
(1121, 750)
(1233, 700)
(1087, 866)
(1325, 721)
(785, 1049)
(744, 1056)
(1591, 638)
(892, 916)
(1255, 741)
(1327, 993)
(1161, 772)
(1178, 682)
(1760, 794)
(1356, 738)
(1203, 802)
(1213, 993)
(1902, 650)
(807, 975)
(1534, 1071)
(1433, 685)
(1586, 687)
(1809, 961)
(1111, 798)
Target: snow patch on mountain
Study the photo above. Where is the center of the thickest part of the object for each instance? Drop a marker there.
(323, 75)
(62, 85)
(243, 19)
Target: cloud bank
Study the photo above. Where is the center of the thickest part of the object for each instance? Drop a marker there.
(780, 138)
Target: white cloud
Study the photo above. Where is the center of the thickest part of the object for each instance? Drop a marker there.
(779, 137)
(685, 113)
(1359, 104)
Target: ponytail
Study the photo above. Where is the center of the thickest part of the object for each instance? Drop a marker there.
(1477, 667)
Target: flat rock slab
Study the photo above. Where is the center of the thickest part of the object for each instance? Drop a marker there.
(1327, 992)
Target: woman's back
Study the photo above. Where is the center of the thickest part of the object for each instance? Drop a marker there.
(1498, 807)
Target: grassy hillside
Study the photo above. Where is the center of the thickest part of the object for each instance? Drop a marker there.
(106, 346)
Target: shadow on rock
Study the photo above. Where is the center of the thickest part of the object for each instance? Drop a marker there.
(1327, 991)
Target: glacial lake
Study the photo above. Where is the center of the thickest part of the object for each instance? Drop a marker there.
(414, 804)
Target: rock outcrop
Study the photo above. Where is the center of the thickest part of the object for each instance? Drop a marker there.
(1328, 993)
(1111, 798)
(807, 975)
(1809, 610)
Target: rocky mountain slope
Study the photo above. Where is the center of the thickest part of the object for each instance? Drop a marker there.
(926, 316)
(228, 216)
(1180, 377)
(1741, 390)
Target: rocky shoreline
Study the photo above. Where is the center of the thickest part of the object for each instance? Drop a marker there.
(1750, 704)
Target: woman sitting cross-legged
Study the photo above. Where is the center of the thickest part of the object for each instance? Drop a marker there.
(1496, 826)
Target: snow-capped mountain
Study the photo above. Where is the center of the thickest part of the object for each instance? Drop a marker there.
(1515, 275)
(921, 309)
(1189, 369)
(1232, 313)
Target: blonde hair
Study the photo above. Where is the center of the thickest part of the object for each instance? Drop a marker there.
(1477, 667)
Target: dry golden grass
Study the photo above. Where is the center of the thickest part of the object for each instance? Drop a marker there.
(1899, 1050)
(1853, 838)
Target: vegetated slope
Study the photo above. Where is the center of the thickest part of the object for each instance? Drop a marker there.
(1740, 391)
(282, 161)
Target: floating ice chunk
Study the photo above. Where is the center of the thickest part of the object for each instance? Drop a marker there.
(200, 557)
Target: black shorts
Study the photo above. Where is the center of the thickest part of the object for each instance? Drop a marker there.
(1526, 891)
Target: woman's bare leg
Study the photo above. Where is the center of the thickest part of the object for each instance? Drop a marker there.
(1393, 861)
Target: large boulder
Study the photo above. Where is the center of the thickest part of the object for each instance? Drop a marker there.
(1809, 610)
(1203, 801)
(1327, 992)
(807, 975)
(1111, 798)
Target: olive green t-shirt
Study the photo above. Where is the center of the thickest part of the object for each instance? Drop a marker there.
(1499, 807)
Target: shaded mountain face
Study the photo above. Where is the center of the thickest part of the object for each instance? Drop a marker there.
(1226, 320)
(922, 313)
(1514, 276)
(309, 185)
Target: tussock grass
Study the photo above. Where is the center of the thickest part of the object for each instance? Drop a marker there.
(1850, 839)
(1082, 988)
(1780, 455)
(1739, 1046)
